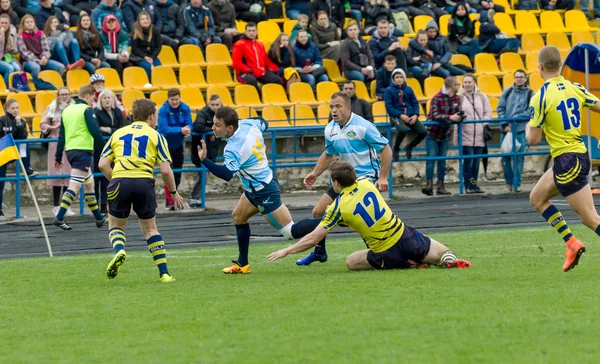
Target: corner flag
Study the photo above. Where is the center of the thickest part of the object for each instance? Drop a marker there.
(8, 150)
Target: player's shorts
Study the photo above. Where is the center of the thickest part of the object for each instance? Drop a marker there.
(412, 246)
(571, 172)
(266, 200)
(123, 193)
(331, 192)
(82, 160)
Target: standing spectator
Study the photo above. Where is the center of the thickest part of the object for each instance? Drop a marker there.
(444, 109)
(50, 126)
(476, 106)
(77, 8)
(406, 6)
(326, 36)
(293, 8)
(402, 106)
(174, 123)
(92, 49)
(420, 57)
(8, 48)
(132, 8)
(334, 10)
(433, 8)
(145, 44)
(359, 106)
(61, 41)
(383, 76)
(301, 25)
(383, 42)
(5, 8)
(357, 59)
(199, 24)
(282, 54)
(250, 11)
(461, 33)
(491, 39)
(116, 44)
(97, 82)
(250, 60)
(224, 17)
(565, 4)
(441, 52)
(375, 11)
(33, 47)
(514, 103)
(308, 61)
(46, 11)
(105, 8)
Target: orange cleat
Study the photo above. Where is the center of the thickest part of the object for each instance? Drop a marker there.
(237, 269)
(458, 263)
(575, 249)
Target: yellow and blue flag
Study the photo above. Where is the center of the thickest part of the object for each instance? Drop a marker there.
(8, 150)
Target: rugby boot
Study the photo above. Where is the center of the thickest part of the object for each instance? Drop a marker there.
(166, 278)
(115, 264)
(237, 269)
(458, 263)
(575, 249)
(312, 257)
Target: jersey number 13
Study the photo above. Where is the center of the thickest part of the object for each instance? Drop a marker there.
(569, 110)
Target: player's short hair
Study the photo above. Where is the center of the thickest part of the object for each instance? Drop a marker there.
(143, 109)
(250, 25)
(390, 57)
(214, 97)
(229, 116)
(550, 57)
(86, 90)
(449, 81)
(173, 92)
(343, 173)
(347, 100)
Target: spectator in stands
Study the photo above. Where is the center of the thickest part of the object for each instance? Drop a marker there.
(384, 43)
(105, 8)
(224, 17)
(375, 11)
(357, 59)
(359, 106)
(116, 44)
(50, 127)
(199, 24)
(441, 52)
(354, 9)
(403, 108)
(61, 41)
(334, 10)
(174, 123)
(282, 54)
(566, 5)
(97, 81)
(132, 8)
(383, 76)
(482, 5)
(293, 8)
(406, 6)
(250, 60)
(491, 39)
(514, 103)
(20, 7)
(461, 33)
(250, 11)
(92, 49)
(433, 8)
(8, 48)
(77, 8)
(173, 27)
(476, 106)
(326, 36)
(145, 44)
(583, 5)
(308, 61)
(302, 24)
(419, 57)
(46, 11)
(445, 109)
(5, 8)
(33, 46)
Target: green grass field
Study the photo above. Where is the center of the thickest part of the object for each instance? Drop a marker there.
(515, 305)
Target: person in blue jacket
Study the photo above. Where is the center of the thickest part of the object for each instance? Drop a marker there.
(308, 61)
(491, 39)
(200, 25)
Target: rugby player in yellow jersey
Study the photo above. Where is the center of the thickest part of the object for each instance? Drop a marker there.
(392, 244)
(134, 150)
(556, 111)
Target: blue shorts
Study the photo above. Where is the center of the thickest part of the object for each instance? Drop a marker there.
(571, 172)
(412, 246)
(266, 200)
(125, 193)
(82, 160)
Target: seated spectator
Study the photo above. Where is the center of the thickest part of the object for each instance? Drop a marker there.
(146, 44)
(433, 8)
(383, 43)
(360, 107)
(77, 8)
(116, 44)
(199, 25)
(334, 10)
(97, 82)
(250, 61)
(491, 39)
(562, 4)
(33, 46)
(441, 52)
(383, 76)
(482, 5)
(105, 8)
(461, 33)
(250, 11)
(50, 127)
(308, 61)
(132, 8)
(293, 8)
(476, 106)
(61, 41)
(5, 8)
(20, 7)
(326, 37)
(302, 24)
(419, 57)
(224, 17)
(354, 9)
(357, 59)
(8, 48)
(375, 11)
(282, 54)
(584, 6)
(92, 49)
(406, 6)
(403, 108)
(46, 11)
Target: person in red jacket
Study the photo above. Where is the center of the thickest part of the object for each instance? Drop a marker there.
(250, 60)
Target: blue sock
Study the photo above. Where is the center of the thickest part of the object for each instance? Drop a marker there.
(156, 246)
(90, 200)
(598, 230)
(243, 238)
(305, 227)
(556, 220)
(67, 200)
(117, 239)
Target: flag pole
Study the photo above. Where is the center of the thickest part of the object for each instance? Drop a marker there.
(36, 207)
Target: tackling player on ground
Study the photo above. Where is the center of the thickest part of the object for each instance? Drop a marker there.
(556, 111)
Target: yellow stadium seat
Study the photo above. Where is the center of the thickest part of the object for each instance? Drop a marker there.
(3, 88)
(246, 95)
(52, 77)
(301, 93)
(78, 78)
(164, 78)
(443, 24)
(489, 85)
(575, 20)
(240, 25)
(333, 71)
(559, 40)
(420, 22)
(460, 59)
(404, 41)
(373, 90)
(379, 112)
(112, 81)
(536, 82)
(193, 97)
(508, 80)
(276, 116)
(133, 77)
(325, 90)
(302, 115)
(505, 23)
(218, 54)
(246, 112)
(531, 42)
(581, 36)
(361, 91)
(273, 94)
(192, 76)
(191, 55)
(42, 100)
(289, 25)
(494, 102)
(485, 64)
(526, 22)
(159, 97)
(167, 57)
(506, 6)
(510, 62)
(223, 92)
(422, 113)
(433, 85)
(35, 128)
(268, 30)
(25, 106)
(323, 112)
(416, 87)
(219, 75)
(129, 96)
(427, 106)
(551, 21)
(531, 62)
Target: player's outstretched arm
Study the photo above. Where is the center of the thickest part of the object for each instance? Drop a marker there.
(386, 162)
(307, 242)
(167, 174)
(220, 171)
(104, 165)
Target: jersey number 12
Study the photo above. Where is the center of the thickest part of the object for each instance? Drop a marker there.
(569, 110)
(364, 214)
(142, 144)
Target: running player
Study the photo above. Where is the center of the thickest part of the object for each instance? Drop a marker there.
(556, 110)
(392, 244)
(357, 141)
(245, 157)
(134, 150)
